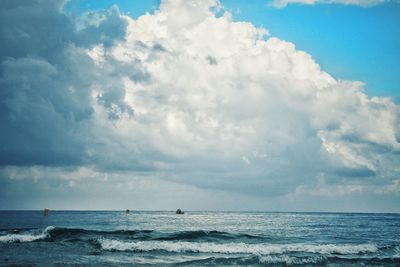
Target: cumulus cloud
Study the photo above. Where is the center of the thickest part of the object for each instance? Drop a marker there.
(363, 3)
(194, 99)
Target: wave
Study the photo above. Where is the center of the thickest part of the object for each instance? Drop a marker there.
(62, 234)
(193, 235)
(27, 237)
(291, 260)
(397, 251)
(234, 248)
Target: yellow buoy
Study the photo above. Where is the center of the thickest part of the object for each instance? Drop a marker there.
(45, 211)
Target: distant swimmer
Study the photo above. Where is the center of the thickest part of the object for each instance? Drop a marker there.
(127, 211)
(179, 211)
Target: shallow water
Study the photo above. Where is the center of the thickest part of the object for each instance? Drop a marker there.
(114, 238)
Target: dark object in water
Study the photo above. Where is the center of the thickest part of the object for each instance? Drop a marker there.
(179, 211)
(45, 211)
(127, 211)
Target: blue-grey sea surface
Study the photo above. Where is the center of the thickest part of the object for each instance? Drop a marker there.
(116, 238)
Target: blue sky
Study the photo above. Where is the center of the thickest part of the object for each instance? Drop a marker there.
(193, 108)
(349, 42)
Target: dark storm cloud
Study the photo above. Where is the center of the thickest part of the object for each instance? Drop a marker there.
(45, 79)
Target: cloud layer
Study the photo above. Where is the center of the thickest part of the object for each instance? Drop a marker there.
(182, 98)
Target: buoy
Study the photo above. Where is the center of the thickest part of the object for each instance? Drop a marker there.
(45, 211)
(127, 211)
(179, 211)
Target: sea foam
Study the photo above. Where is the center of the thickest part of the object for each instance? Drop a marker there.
(235, 248)
(27, 237)
(285, 259)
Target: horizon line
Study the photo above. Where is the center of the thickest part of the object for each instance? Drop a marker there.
(231, 211)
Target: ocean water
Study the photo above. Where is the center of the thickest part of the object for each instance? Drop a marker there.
(114, 238)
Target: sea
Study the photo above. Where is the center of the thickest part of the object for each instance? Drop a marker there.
(163, 238)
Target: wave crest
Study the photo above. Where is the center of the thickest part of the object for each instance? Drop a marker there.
(288, 260)
(234, 248)
(13, 238)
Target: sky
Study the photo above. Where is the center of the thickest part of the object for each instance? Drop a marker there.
(282, 105)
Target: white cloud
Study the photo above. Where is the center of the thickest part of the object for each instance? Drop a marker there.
(255, 97)
(363, 3)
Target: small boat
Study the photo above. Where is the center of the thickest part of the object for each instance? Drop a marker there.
(179, 211)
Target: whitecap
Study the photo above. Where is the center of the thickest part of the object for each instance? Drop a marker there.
(236, 248)
(288, 260)
(27, 237)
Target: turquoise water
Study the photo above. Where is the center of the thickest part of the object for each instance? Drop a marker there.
(114, 238)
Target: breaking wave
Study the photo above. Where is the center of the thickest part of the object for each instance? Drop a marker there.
(289, 260)
(56, 234)
(27, 237)
(234, 248)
